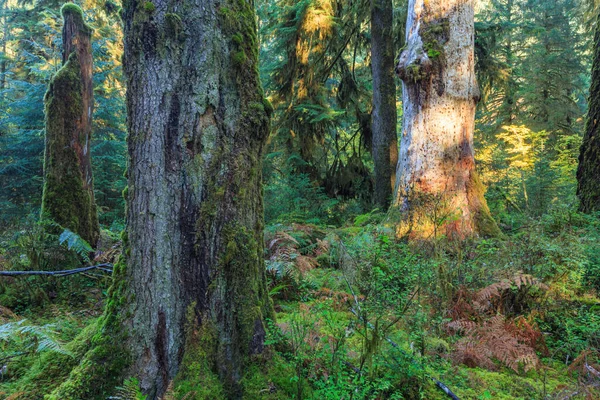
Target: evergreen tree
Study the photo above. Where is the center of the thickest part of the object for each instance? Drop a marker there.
(192, 299)
(385, 142)
(588, 173)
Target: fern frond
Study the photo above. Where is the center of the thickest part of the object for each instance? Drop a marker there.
(77, 244)
(129, 391)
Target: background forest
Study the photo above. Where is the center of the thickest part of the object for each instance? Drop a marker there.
(359, 314)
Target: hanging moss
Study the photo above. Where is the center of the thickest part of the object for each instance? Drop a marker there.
(65, 199)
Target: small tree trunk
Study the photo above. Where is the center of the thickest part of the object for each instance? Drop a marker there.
(385, 142)
(436, 171)
(68, 197)
(588, 172)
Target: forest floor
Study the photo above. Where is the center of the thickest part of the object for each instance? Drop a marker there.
(360, 315)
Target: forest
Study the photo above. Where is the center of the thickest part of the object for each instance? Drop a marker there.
(299, 199)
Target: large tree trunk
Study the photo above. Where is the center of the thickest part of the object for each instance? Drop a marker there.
(385, 142)
(191, 300)
(588, 172)
(197, 122)
(68, 197)
(437, 187)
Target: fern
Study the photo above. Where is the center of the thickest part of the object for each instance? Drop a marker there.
(129, 391)
(30, 339)
(77, 244)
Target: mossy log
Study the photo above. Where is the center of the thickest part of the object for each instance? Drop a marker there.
(68, 197)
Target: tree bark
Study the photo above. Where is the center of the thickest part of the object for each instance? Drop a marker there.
(385, 142)
(68, 197)
(588, 172)
(437, 187)
(189, 298)
(198, 122)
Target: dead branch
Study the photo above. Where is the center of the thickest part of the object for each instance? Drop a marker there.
(100, 267)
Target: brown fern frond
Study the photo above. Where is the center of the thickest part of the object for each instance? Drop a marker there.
(305, 263)
(496, 339)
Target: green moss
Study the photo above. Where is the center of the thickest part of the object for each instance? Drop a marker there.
(238, 38)
(102, 355)
(149, 7)
(414, 73)
(268, 107)
(239, 58)
(65, 200)
(173, 26)
(71, 9)
(239, 24)
(196, 379)
(51, 368)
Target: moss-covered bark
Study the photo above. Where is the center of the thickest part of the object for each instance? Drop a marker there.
(385, 142)
(190, 302)
(68, 196)
(588, 172)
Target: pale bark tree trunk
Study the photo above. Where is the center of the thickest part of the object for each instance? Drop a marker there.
(197, 122)
(68, 197)
(385, 142)
(588, 172)
(437, 188)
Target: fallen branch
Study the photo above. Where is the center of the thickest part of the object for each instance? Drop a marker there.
(100, 267)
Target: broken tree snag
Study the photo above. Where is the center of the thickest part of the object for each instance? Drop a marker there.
(68, 197)
(437, 188)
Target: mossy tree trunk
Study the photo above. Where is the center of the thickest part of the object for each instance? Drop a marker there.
(437, 187)
(385, 142)
(198, 122)
(68, 196)
(588, 172)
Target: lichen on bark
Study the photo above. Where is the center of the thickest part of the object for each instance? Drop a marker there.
(68, 195)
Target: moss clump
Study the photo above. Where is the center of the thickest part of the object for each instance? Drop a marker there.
(237, 38)
(239, 58)
(149, 7)
(173, 26)
(73, 10)
(414, 73)
(268, 107)
(196, 379)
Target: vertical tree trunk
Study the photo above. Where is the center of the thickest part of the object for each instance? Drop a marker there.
(588, 172)
(189, 298)
(385, 142)
(68, 197)
(197, 122)
(437, 186)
